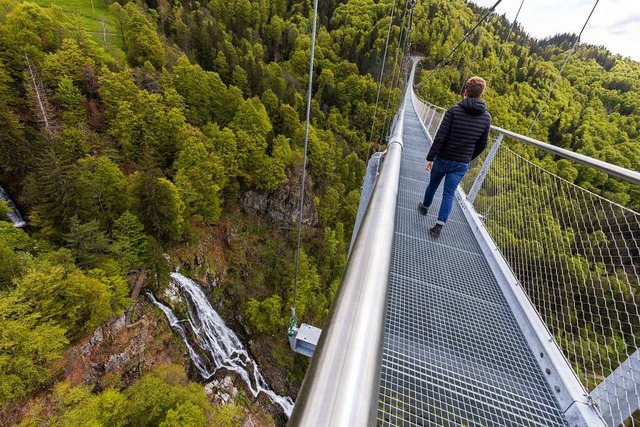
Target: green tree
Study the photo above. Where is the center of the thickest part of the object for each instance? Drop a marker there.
(199, 176)
(71, 299)
(5, 210)
(141, 40)
(229, 415)
(88, 242)
(203, 92)
(68, 62)
(185, 415)
(311, 303)
(28, 345)
(14, 149)
(117, 286)
(165, 389)
(104, 186)
(55, 190)
(157, 203)
(266, 315)
(79, 407)
(130, 243)
(70, 101)
(252, 118)
(28, 29)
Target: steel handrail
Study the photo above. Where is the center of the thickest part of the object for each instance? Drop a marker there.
(617, 171)
(608, 168)
(341, 387)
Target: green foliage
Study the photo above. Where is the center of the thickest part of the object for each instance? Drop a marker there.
(185, 415)
(228, 416)
(71, 101)
(129, 241)
(71, 299)
(310, 300)
(55, 189)
(141, 41)
(204, 93)
(88, 243)
(157, 203)
(252, 118)
(266, 315)
(199, 176)
(28, 29)
(28, 345)
(103, 186)
(224, 144)
(162, 390)
(68, 62)
(116, 285)
(5, 210)
(163, 397)
(81, 408)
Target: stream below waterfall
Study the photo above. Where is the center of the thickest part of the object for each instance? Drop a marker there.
(14, 214)
(213, 345)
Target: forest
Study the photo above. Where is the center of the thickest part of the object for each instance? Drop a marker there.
(143, 136)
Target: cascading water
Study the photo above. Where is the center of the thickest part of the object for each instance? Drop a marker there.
(219, 343)
(13, 215)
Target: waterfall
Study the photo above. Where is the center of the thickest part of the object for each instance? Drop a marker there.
(219, 343)
(14, 215)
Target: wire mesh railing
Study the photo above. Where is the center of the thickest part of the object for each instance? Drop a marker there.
(577, 257)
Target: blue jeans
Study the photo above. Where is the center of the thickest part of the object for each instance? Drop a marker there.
(452, 172)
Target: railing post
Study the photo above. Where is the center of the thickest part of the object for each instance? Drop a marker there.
(485, 168)
(620, 386)
(440, 121)
(433, 113)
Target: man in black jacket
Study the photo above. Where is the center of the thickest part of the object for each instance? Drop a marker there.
(462, 136)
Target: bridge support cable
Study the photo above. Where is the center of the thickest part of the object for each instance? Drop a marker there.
(384, 61)
(576, 257)
(464, 39)
(395, 78)
(506, 40)
(308, 343)
(342, 383)
(569, 55)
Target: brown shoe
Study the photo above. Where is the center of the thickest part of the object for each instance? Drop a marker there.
(436, 230)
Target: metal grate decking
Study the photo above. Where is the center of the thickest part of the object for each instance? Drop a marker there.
(453, 353)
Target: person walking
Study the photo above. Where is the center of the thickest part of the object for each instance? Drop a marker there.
(461, 137)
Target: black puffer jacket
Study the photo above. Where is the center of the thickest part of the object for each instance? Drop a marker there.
(463, 133)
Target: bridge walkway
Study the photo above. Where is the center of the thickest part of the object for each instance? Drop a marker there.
(453, 353)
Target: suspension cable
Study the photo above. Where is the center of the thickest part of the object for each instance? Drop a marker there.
(464, 39)
(395, 64)
(571, 51)
(293, 320)
(506, 40)
(384, 59)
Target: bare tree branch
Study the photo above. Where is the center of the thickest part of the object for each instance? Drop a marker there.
(43, 110)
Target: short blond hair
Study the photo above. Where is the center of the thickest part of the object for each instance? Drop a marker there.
(475, 87)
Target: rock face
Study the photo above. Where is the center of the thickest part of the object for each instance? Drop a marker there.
(223, 390)
(118, 347)
(281, 206)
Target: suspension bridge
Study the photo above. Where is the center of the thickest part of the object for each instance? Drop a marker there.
(523, 313)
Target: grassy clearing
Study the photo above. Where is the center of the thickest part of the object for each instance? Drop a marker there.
(94, 14)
